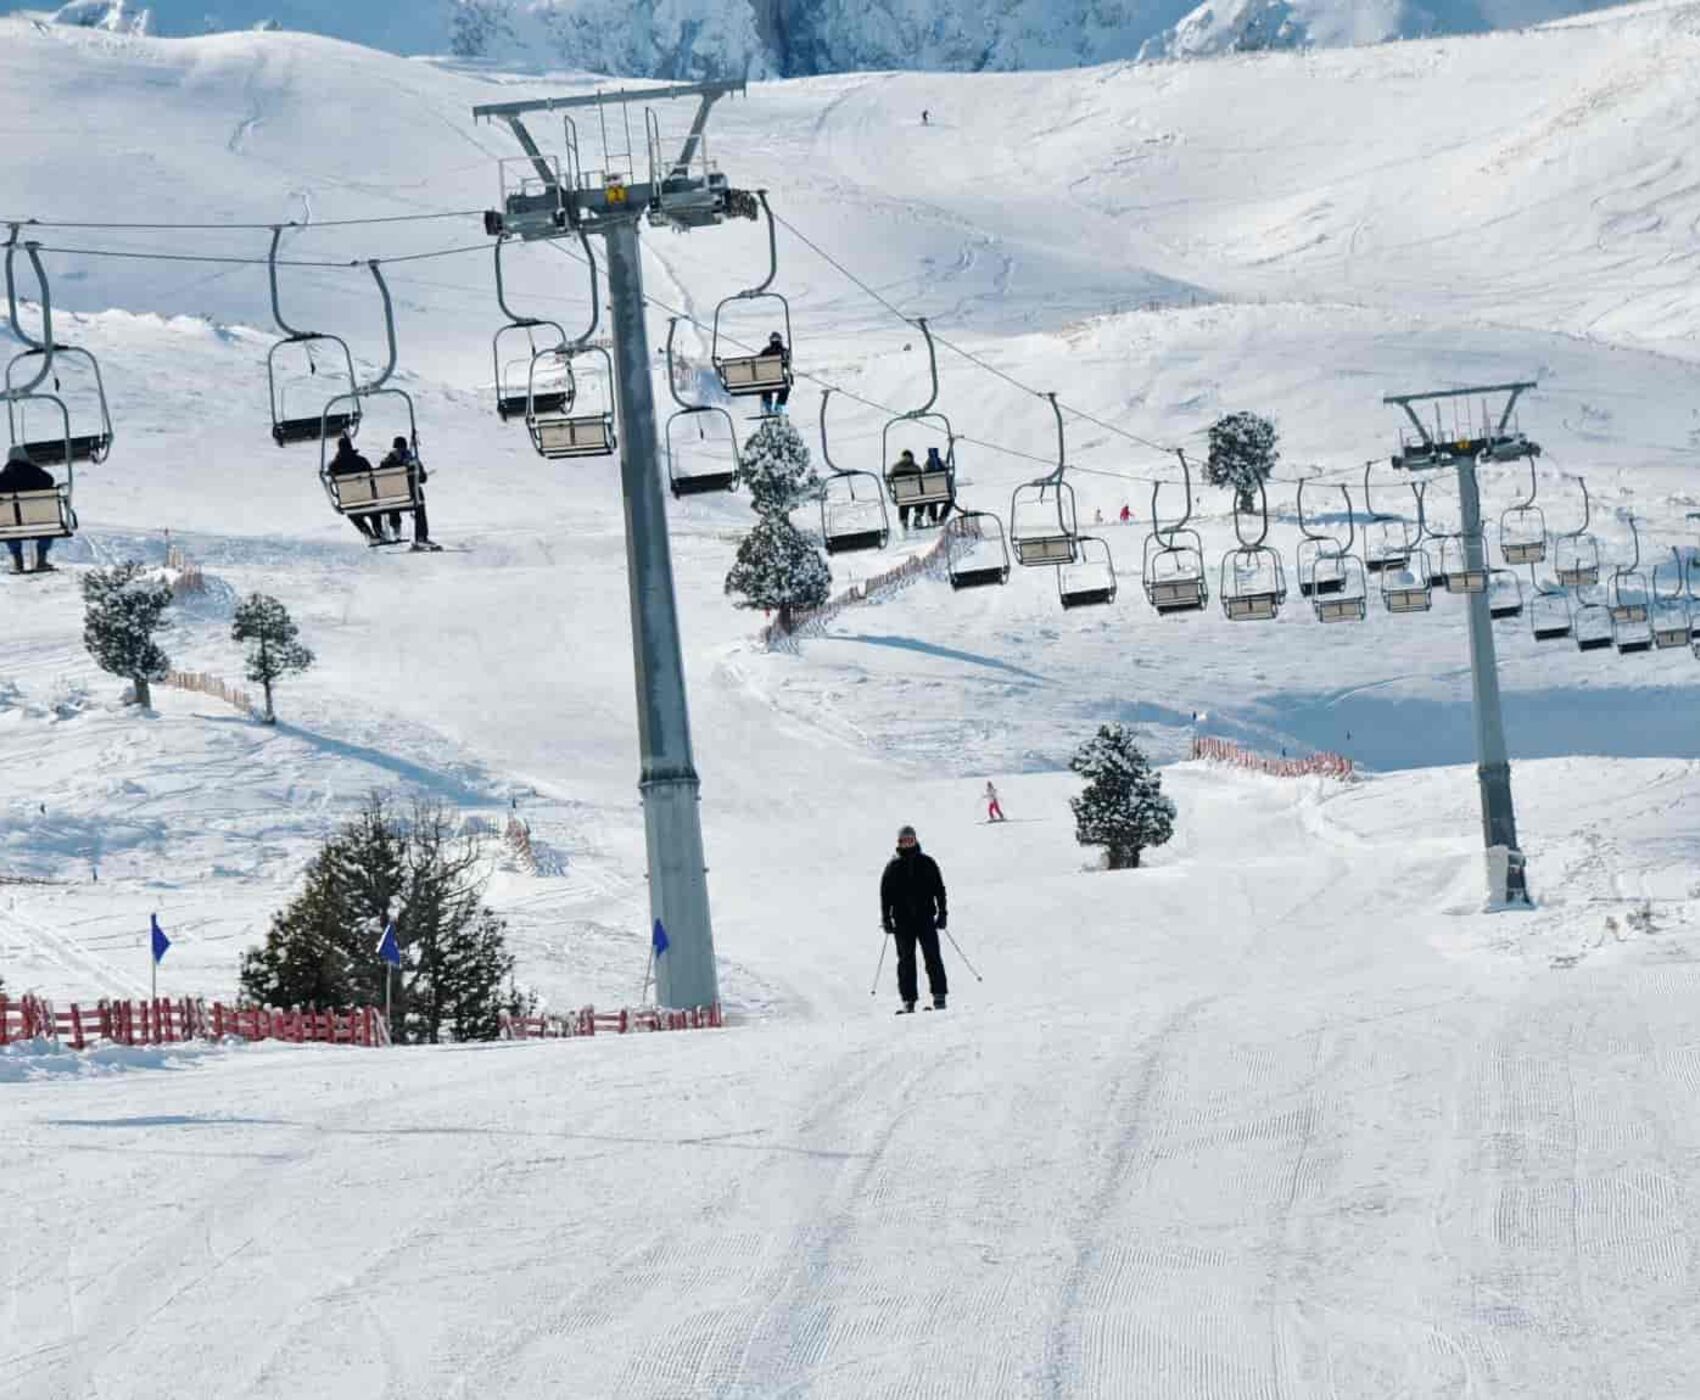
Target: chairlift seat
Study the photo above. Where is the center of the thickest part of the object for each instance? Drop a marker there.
(1040, 550)
(1554, 630)
(554, 403)
(1088, 597)
(1177, 595)
(1466, 581)
(1502, 608)
(745, 375)
(1670, 634)
(1628, 612)
(319, 426)
(1408, 598)
(1631, 646)
(558, 438)
(920, 488)
(50, 452)
(1342, 609)
(854, 541)
(36, 515)
(979, 576)
(703, 483)
(1524, 552)
(1252, 607)
(367, 493)
(1578, 575)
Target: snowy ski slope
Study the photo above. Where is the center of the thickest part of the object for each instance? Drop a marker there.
(1282, 1115)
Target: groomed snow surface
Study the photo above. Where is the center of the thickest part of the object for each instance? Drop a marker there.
(1284, 1114)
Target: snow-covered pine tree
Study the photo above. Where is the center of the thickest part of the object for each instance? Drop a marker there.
(779, 567)
(456, 973)
(1243, 452)
(777, 467)
(121, 612)
(1123, 808)
(273, 651)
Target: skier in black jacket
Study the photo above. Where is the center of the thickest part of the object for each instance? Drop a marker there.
(912, 909)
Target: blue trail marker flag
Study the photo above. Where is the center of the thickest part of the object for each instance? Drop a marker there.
(388, 949)
(659, 938)
(161, 944)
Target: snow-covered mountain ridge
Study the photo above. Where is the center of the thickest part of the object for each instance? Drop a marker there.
(791, 38)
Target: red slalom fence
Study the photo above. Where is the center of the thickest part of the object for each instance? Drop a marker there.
(1325, 765)
(167, 1021)
(588, 1020)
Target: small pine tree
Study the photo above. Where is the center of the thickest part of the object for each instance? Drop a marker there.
(777, 468)
(1243, 452)
(456, 975)
(779, 567)
(121, 612)
(274, 651)
(1123, 808)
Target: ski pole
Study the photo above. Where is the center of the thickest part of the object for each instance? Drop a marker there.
(959, 953)
(880, 966)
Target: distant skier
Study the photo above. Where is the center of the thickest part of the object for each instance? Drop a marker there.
(21, 474)
(994, 812)
(776, 399)
(401, 455)
(926, 117)
(348, 462)
(912, 909)
(1127, 513)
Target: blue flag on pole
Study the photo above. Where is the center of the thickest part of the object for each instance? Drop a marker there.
(161, 944)
(388, 949)
(659, 938)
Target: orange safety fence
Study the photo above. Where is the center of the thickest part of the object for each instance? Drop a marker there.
(176, 1020)
(1326, 765)
(588, 1020)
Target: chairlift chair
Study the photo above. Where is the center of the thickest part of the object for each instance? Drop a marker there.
(1173, 567)
(853, 516)
(291, 425)
(1387, 540)
(1591, 623)
(1672, 617)
(1523, 529)
(1321, 567)
(1627, 592)
(382, 489)
(1348, 599)
(51, 448)
(535, 380)
(1408, 587)
(976, 553)
(1253, 580)
(1455, 572)
(744, 375)
(1576, 553)
(689, 474)
(44, 512)
(1042, 527)
(1505, 595)
(1090, 580)
(1549, 611)
(929, 492)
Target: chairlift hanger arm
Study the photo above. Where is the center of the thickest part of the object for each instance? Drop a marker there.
(32, 250)
(595, 299)
(672, 382)
(389, 331)
(1263, 511)
(1055, 478)
(760, 289)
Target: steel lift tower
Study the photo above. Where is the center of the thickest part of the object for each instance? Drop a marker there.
(1493, 442)
(682, 190)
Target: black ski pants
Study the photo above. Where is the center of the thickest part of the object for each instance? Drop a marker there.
(928, 938)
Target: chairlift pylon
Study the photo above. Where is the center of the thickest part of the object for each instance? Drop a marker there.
(1253, 580)
(294, 426)
(1042, 526)
(926, 493)
(1523, 528)
(853, 516)
(684, 476)
(520, 391)
(1576, 553)
(1172, 570)
(46, 512)
(758, 373)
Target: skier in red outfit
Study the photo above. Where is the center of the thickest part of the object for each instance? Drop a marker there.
(994, 812)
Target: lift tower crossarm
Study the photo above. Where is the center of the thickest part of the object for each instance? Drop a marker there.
(1513, 392)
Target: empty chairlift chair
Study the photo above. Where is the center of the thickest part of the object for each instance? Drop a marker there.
(762, 372)
(583, 424)
(853, 516)
(1348, 599)
(710, 462)
(1576, 553)
(1672, 617)
(1090, 581)
(1629, 600)
(532, 360)
(1388, 541)
(1320, 558)
(1462, 566)
(1523, 529)
(1505, 595)
(1591, 623)
(294, 366)
(976, 553)
(1042, 526)
(1549, 611)
(1172, 571)
(1253, 582)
